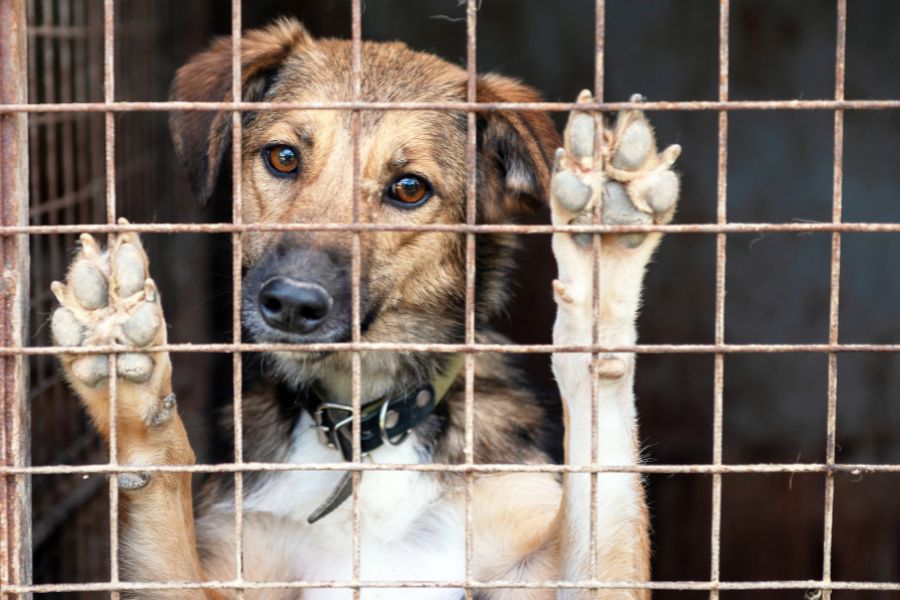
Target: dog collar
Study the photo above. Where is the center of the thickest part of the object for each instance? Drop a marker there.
(386, 420)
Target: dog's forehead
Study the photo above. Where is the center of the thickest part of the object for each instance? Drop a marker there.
(390, 72)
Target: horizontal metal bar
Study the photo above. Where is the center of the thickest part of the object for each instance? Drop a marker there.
(693, 105)
(243, 584)
(256, 467)
(454, 228)
(467, 348)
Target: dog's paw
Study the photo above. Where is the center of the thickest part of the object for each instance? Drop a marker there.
(108, 298)
(633, 183)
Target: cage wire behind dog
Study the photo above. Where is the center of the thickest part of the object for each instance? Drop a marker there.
(74, 116)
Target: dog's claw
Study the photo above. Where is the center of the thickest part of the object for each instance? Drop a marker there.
(562, 293)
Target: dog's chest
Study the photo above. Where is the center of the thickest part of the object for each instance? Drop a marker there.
(411, 528)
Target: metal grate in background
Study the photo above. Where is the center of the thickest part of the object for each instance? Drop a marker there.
(68, 185)
(74, 193)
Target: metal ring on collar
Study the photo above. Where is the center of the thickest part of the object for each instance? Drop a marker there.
(382, 428)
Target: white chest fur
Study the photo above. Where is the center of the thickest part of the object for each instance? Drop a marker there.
(410, 529)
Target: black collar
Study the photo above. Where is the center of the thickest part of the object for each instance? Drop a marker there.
(385, 420)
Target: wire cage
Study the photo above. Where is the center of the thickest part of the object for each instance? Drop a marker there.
(84, 81)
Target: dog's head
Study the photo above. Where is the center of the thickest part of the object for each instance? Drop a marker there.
(297, 167)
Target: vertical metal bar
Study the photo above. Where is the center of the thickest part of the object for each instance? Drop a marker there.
(236, 264)
(109, 95)
(597, 257)
(49, 156)
(15, 490)
(834, 299)
(719, 359)
(471, 216)
(356, 274)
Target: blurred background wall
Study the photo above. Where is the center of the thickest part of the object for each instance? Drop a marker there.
(780, 170)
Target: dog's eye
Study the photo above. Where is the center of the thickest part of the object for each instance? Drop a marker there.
(282, 160)
(409, 191)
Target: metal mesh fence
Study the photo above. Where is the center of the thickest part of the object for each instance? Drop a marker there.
(82, 196)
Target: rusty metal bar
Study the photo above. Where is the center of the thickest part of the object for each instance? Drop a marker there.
(355, 307)
(15, 426)
(109, 97)
(471, 217)
(834, 297)
(245, 467)
(481, 585)
(721, 273)
(470, 348)
(596, 288)
(695, 228)
(650, 106)
(236, 274)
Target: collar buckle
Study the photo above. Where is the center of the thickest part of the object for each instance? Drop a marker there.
(332, 432)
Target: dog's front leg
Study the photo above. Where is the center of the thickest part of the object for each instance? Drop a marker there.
(109, 298)
(632, 184)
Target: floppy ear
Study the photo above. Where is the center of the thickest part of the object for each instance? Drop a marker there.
(202, 138)
(516, 150)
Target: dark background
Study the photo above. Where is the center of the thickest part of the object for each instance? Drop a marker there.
(779, 170)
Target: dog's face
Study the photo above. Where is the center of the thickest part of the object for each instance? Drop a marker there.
(297, 167)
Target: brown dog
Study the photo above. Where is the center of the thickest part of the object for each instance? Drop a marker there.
(297, 168)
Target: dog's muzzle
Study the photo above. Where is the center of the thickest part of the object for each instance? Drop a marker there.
(299, 292)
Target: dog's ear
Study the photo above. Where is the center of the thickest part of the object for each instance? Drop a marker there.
(203, 138)
(516, 149)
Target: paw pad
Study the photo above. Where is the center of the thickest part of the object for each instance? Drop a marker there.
(132, 481)
(91, 369)
(66, 329)
(89, 285)
(143, 325)
(129, 270)
(636, 183)
(134, 367)
(571, 192)
(634, 147)
(90, 316)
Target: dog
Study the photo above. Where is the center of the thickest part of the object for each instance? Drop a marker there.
(297, 288)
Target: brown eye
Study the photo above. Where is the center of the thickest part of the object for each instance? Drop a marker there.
(282, 160)
(409, 191)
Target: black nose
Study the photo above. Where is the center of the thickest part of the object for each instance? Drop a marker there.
(294, 306)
